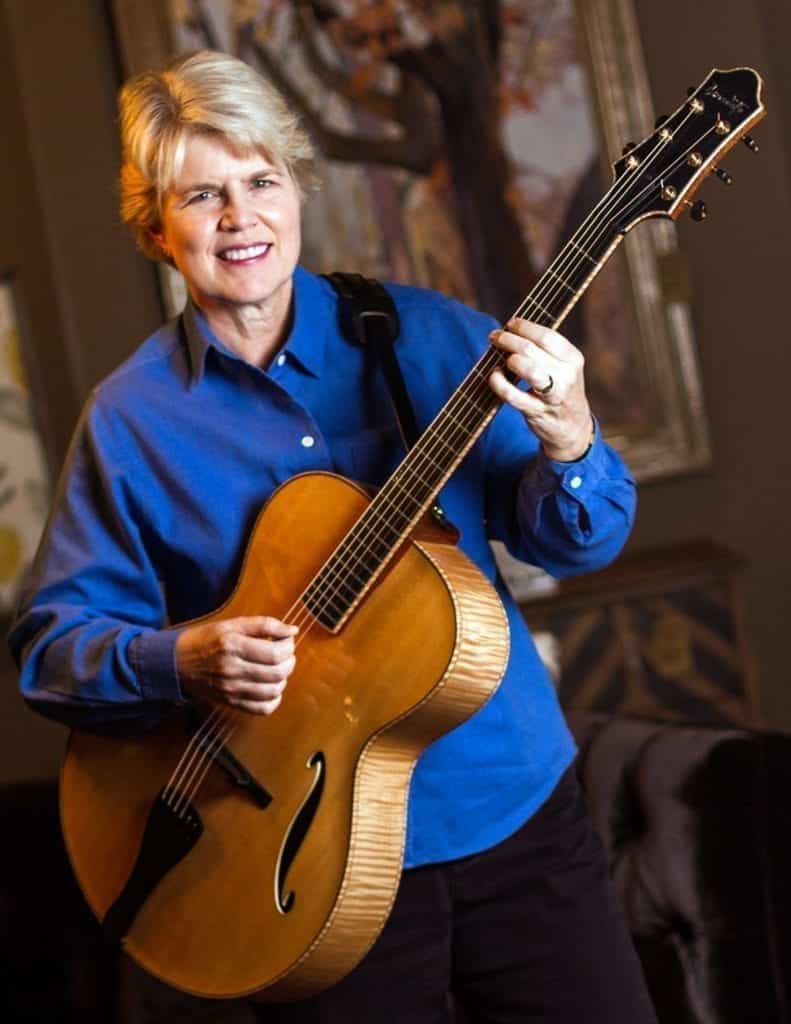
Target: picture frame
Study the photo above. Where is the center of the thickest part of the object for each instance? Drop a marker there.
(25, 481)
(642, 372)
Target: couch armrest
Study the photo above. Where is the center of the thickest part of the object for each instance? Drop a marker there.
(697, 829)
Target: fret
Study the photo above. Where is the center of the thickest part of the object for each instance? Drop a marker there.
(462, 426)
(587, 255)
(541, 309)
(566, 285)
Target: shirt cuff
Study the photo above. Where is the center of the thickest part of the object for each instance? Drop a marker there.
(577, 479)
(153, 655)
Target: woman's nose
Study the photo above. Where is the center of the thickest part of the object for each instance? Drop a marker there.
(238, 213)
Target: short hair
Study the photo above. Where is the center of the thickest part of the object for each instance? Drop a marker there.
(202, 93)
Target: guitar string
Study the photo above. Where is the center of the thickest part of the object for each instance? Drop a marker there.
(219, 739)
(481, 371)
(199, 741)
(168, 790)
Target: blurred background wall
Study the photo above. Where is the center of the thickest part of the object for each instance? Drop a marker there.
(89, 298)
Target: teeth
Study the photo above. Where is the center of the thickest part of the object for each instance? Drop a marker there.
(244, 254)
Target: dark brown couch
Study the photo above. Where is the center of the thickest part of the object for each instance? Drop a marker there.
(697, 825)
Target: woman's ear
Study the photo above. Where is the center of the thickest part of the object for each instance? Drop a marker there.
(158, 238)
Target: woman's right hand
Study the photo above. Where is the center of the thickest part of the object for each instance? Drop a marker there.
(244, 662)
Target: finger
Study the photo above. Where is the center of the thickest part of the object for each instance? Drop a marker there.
(529, 362)
(249, 690)
(531, 403)
(527, 359)
(256, 707)
(538, 373)
(254, 651)
(262, 626)
(230, 674)
(527, 402)
(544, 337)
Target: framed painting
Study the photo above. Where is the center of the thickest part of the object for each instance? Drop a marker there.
(459, 144)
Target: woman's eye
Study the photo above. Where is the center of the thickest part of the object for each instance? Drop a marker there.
(200, 197)
(262, 182)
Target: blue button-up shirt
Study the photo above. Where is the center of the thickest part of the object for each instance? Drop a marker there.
(173, 457)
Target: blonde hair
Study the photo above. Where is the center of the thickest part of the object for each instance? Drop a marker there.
(209, 93)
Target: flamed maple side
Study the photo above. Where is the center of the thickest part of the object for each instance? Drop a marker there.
(402, 639)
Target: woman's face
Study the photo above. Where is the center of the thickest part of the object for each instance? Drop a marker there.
(231, 224)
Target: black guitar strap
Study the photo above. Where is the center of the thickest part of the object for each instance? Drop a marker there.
(374, 320)
(368, 308)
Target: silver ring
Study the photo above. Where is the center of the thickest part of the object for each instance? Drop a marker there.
(547, 387)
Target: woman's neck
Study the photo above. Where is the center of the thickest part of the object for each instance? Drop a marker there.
(255, 331)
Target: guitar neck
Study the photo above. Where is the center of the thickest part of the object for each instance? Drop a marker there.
(411, 490)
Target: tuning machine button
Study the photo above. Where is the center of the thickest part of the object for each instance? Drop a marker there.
(699, 211)
(750, 143)
(723, 175)
(696, 103)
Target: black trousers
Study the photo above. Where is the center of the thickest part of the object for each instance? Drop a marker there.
(528, 931)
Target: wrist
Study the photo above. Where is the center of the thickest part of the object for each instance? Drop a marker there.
(575, 450)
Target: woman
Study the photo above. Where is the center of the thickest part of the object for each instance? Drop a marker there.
(504, 899)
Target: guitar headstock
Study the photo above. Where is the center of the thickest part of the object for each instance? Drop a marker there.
(659, 176)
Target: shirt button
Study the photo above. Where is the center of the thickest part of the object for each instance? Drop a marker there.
(575, 482)
(281, 359)
(308, 441)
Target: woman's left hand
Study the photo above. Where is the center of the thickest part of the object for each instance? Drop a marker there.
(555, 407)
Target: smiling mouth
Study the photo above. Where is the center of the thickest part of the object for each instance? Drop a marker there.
(242, 255)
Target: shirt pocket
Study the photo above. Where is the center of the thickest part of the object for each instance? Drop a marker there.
(369, 456)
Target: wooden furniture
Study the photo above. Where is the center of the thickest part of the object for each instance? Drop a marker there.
(658, 634)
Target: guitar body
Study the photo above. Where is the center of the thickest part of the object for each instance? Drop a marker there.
(259, 907)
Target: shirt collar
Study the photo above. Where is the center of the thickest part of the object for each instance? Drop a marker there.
(314, 316)
(314, 313)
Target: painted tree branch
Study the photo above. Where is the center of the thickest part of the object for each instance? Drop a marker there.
(376, 101)
(414, 154)
(409, 107)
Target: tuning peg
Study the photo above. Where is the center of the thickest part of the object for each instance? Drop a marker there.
(628, 148)
(699, 210)
(750, 143)
(660, 120)
(723, 175)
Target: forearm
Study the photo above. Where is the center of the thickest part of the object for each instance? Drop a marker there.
(93, 672)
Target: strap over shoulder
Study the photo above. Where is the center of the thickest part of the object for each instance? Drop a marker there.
(368, 303)
(374, 318)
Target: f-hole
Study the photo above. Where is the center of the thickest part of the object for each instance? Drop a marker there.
(297, 831)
